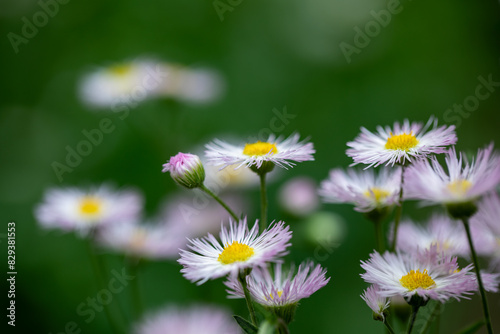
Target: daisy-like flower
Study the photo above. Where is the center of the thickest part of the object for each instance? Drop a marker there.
(365, 189)
(463, 184)
(424, 275)
(440, 232)
(73, 209)
(126, 83)
(193, 320)
(282, 153)
(376, 302)
(486, 229)
(282, 292)
(186, 169)
(299, 196)
(401, 144)
(152, 241)
(241, 248)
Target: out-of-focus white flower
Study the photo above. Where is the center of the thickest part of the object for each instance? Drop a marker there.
(299, 196)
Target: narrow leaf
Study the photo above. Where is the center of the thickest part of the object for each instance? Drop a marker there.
(473, 328)
(247, 327)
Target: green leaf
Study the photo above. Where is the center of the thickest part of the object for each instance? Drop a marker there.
(247, 327)
(266, 328)
(473, 328)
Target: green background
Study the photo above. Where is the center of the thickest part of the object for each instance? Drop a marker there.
(271, 54)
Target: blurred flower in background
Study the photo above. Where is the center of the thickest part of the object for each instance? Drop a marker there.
(132, 82)
(299, 197)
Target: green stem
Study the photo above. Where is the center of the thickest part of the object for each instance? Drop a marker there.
(133, 265)
(486, 311)
(379, 236)
(399, 212)
(99, 268)
(263, 201)
(251, 310)
(282, 327)
(412, 318)
(220, 201)
(388, 327)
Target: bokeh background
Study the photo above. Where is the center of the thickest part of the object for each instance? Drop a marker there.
(272, 55)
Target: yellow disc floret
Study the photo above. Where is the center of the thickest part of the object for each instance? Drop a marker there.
(417, 279)
(279, 293)
(376, 194)
(121, 70)
(260, 148)
(403, 142)
(236, 252)
(90, 206)
(459, 187)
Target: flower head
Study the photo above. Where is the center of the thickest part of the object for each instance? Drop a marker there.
(401, 144)
(440, 232)
(186, 169)
(299, 196)
(282, 288)
(194, 320)
(379, 304)
(426, 274)
(366, 190)
(465, 182)
(83, 210)
(274, 150)
(281, 293)
(241, 248)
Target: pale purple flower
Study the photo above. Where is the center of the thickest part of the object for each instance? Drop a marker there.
(364, 188)
(403, 143)
(378, 304)
(152, 241)
(186, 169)
(75, 209)
(440, 231)
(299, 196)
(485, 228)
(239, 248)
(206, 319)
(428, 274)
(463, 182)
(282, 153)
(282, 288)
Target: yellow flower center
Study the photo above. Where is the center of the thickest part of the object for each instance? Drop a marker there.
(459, 187)
(279, 294)
(403, 142)
(235, 252)
(120, 70)
(90, 206)
(416, 279)
(260, 148)
(376, 193)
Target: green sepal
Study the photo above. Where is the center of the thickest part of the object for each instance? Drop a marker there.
(461, 210)
(247, 326)
(266, 167)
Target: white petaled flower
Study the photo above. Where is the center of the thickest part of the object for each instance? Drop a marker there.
(239, 248)
(186, 169)
(282, 288)
(282, 153)
(401, 144)
(193, 320)
(74, 209)
(152, 241)
(485, 229)
(378, 304)
(464, 182)
(197, 86)
(299, 196)
(126, 83)
(365, 189)
(428, 275)
(440, 231)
